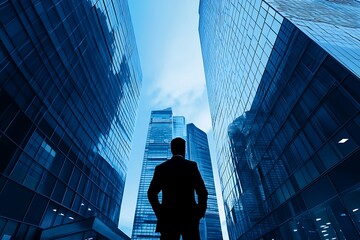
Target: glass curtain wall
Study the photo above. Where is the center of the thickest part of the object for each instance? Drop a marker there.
(70, 81)
(285, 115)
(162, 126)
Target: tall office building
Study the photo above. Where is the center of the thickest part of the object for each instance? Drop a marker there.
(163, 127)
(197, 149)
(69, 87)
(157, 150)
(282, 80)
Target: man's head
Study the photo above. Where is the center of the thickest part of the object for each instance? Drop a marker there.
(178, 146)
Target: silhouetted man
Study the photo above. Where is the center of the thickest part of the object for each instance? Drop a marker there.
(178, 179)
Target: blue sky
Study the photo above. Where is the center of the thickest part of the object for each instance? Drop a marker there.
(169, 49)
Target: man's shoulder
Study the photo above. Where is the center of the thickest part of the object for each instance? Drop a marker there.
(171, 161)
(191, 162)
(163, 164)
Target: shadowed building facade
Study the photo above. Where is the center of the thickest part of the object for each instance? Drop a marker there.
(163, 127)
(281, 79)
(70, 81)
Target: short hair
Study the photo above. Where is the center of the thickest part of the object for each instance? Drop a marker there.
(178, 146)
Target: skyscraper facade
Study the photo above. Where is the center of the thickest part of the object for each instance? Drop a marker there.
(163, 127)
(157, 150)
(281, 81)
(70, 81)
(197, 149)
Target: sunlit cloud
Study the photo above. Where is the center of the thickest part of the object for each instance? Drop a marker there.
(180, 82)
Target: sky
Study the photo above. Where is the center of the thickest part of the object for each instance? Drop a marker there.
(167, 38)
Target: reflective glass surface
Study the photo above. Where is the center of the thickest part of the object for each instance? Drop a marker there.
(162, 126)
(69, 86)
(287, 146)
(334, 25)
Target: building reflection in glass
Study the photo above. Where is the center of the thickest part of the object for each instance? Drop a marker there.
(69, 87)
(334, 25)
(287, 145)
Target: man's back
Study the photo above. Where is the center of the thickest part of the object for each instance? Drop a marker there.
(179, 179)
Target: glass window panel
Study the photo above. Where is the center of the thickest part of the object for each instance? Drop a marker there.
(9, 229)
(349, 168)
(328, 156)
(8, 149)
(46, 184)
(36, 210)
(14, 200)
(311, 194)
(324, 122)
(51, 212)
(344, 143)
(335, 103)
(58, 192)
(300, 179)
(21, 168)
(75, 177)
(312, 135)
(352, 84)
(33, 176)
(68, 198)
(66, 171)
(21, 231)
(353, 127)
(314, 173)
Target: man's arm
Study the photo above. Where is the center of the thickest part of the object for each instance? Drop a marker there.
(153, 191)
(201, 192)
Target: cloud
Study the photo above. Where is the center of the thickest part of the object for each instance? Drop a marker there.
(169, 48)
(180, 81)
(185, 94)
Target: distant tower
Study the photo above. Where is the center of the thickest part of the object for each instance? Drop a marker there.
(163, 127)
(197, 148)
(160, 133)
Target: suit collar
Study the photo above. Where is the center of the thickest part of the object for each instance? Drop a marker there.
(177, 157)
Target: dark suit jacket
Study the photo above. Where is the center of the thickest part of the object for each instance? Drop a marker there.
(178, 179)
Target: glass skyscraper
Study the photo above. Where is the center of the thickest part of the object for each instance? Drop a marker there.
(197, 149)
(283, 80)
(163, 127)
(70, 81)
(157, 150)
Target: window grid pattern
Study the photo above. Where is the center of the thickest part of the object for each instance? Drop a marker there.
(157, 150)
(293, 141)
(334, 25)
(235, 51)
(69, 88)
